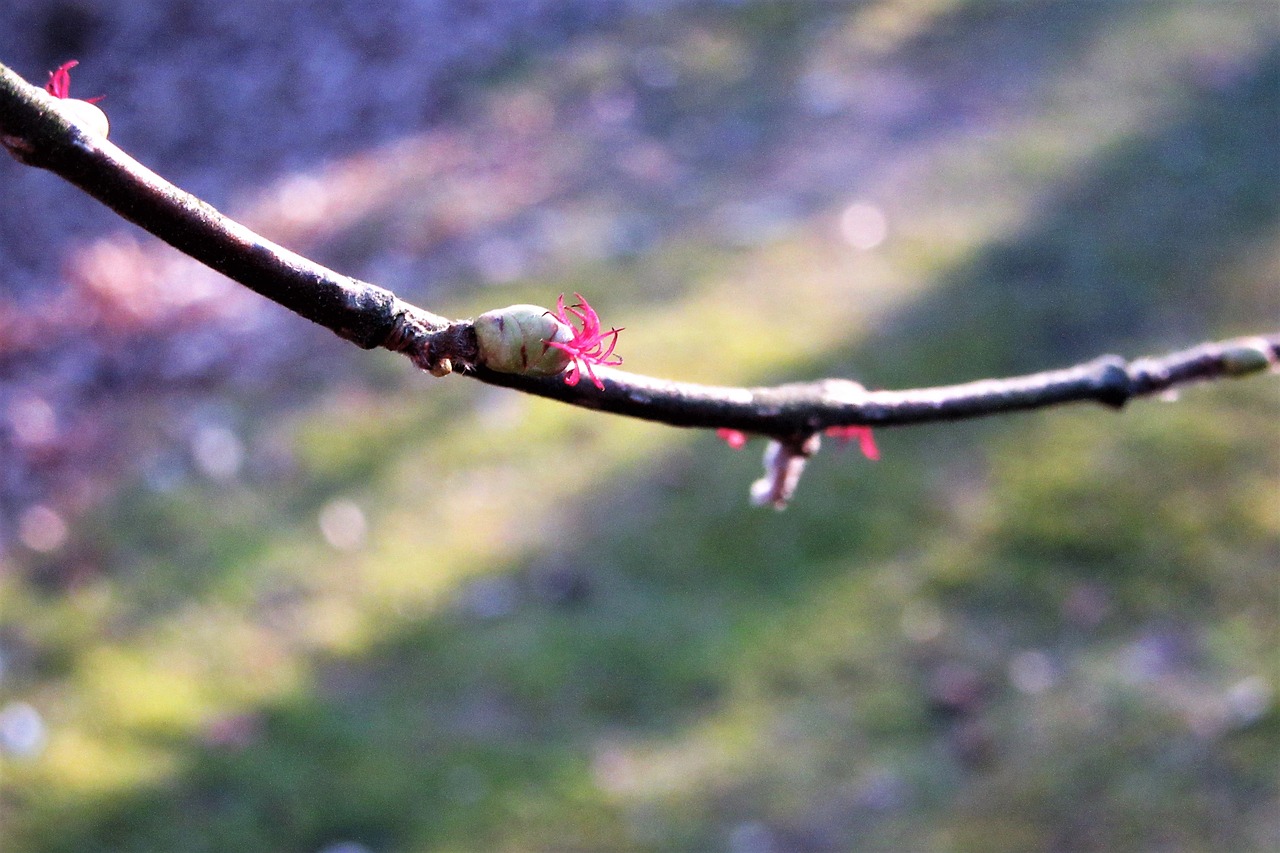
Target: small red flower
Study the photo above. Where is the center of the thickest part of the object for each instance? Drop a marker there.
(735, 438)
(860, 434)
(59, 84)
(588, 345)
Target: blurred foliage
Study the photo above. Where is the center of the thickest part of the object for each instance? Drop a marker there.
(428, 615)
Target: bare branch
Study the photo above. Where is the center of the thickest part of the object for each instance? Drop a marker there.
(369, 316)
(800, 409)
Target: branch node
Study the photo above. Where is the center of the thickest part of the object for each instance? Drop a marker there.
(409, 337)
(439, 350)
(1113, 383)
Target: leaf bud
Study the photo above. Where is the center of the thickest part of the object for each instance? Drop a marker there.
(84, 115)
(514, 340)
(1247, 356)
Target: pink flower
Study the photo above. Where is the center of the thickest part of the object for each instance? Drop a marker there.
(588, 345)
(59, 84)
(735, 438)
(860, 434)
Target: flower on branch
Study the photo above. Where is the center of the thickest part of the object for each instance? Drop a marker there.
(59, 84)
(588, 346)
(82, 113)
(784, 460)
(735, 438)
(861, 434)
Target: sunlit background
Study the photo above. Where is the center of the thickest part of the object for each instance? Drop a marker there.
(262, 591)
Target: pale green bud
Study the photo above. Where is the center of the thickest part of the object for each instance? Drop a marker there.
(84, 114)
(1247, 356)
(514, 340)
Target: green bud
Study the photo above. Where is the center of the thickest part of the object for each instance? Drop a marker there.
(88, 116)
(1245, 357)
(514, 340)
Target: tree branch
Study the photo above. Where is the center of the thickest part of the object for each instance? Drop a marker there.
(37, 134)
(800, 409)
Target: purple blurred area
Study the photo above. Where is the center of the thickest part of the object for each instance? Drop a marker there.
(280, 113)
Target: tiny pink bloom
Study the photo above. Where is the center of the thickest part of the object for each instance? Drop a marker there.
(588, 345)
(860, 434)
(737, 439)
(59, 84)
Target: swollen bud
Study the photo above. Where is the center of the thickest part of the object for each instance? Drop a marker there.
(85, 115)
(514, 340)
(1247, 356)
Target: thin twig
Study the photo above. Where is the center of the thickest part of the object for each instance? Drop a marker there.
(370, 316)
(800, 409)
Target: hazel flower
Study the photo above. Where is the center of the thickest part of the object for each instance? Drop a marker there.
(735, 438)
(588, 346)
(59, 84)
(861, 434)
(83, 113)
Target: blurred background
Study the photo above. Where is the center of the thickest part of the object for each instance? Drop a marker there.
(262, 591)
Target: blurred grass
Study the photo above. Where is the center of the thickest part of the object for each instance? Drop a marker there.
(566, 631)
